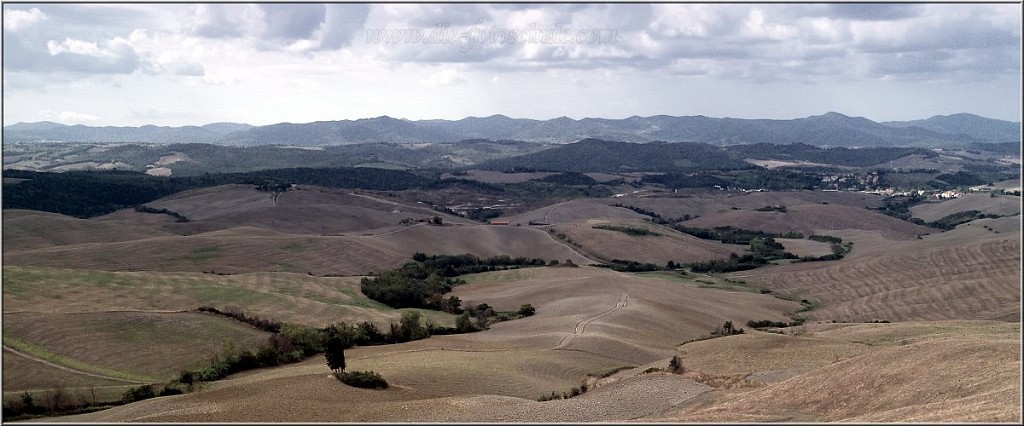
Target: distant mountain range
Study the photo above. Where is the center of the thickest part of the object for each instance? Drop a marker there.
(828, 130)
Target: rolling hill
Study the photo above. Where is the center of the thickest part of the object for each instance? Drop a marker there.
(830, 129)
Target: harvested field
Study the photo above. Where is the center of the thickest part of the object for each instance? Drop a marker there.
(574, 211)
(299, 298)
(950, 374)
(967, 273)
(814, 219)
(802, 247)
(657, 249)
(27, 229)
(588, 321)
(21, 374)
(139, 346)
(244, 251)
(306, 210)
(833, 373)
(706, 203)
(984, 203)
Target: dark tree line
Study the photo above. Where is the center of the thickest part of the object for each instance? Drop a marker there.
(423, 282)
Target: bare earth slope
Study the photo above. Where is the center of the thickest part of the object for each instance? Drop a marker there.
(237, 252)
(304, 210)
(967, 273)
(813, 219)
(27, 229)
(1000, 205)
(953, 371)
(588, 320)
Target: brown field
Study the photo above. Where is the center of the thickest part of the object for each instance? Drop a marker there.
(574, 211)
(813, 373)
(805, 247)
(657, 249)
(918, 372)
(248, 249)
(298, 298)
(26, 229)
(153, 345)
(813, 219)
(1000, 205)
(589, 320)
(952, 354)
(710, 202)
(966, 273)
(307, 210)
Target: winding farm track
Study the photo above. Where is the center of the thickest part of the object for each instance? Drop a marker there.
(65, 368)
(581, 327)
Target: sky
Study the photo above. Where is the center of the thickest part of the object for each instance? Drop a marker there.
(193, 64)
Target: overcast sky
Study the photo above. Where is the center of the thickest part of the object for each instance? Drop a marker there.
(167, 64)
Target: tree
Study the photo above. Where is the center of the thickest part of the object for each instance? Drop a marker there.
(335, 353)
(437, 220)
(527, 310)
(676, 364)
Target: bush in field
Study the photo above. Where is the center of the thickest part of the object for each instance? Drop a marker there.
(138, 394)
(363, 379)
(527, 310)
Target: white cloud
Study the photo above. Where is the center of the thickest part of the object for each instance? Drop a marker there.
(67, 117)
(446, 77)
(16, 20)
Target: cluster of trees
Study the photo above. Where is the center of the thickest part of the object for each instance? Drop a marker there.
(826, 239)
(951, 221)
(899, 207)
(594, 155)
(631, 266)
(732, 264)
(569, 178)
(94, 193)
(731, 235)
(575, 391)
(628, 230)
(769, 323)
(363, 379)
(236, 313)
(177, 216)
(774, 179)
(291, 344)
(780, 209)
(655, 217)
(423, 282)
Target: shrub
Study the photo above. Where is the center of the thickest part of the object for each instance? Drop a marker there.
(138, 394)
(363, 379)
(527, 310)
(675, 365)
(170, 390)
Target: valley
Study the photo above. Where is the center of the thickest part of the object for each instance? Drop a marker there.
(80, 294)
(663, 282)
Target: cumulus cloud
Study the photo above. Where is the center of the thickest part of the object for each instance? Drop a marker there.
(226, 20)
(71, 55)
(446, 77)
(16, 20)
(67, 117)
(290, 22)
(342, 22)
